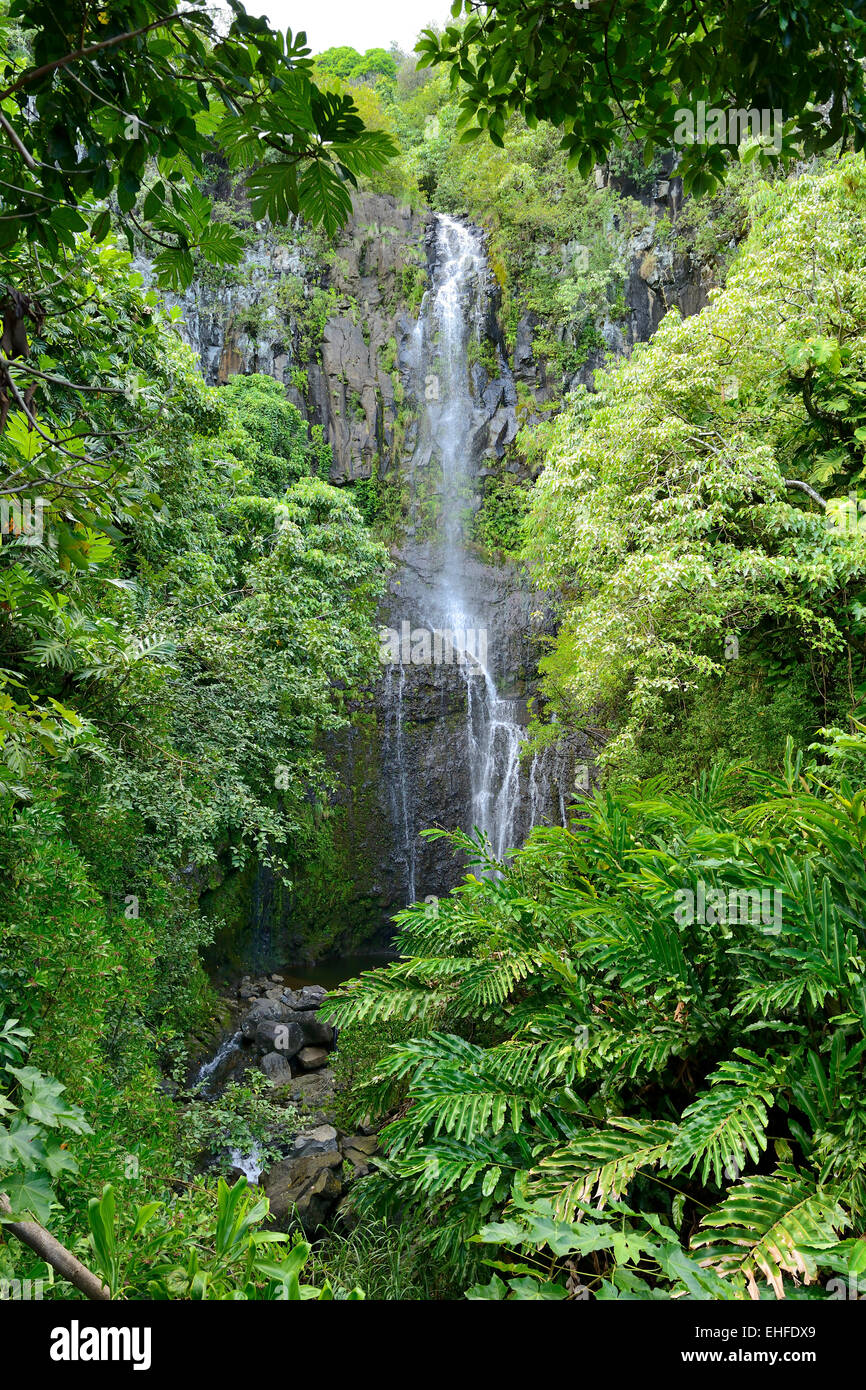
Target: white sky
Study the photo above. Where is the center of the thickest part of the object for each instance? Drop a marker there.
(357, 24)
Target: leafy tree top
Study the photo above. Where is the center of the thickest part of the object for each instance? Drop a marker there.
(593, 68)
(126, 103)
(700, 496)
(375, 67)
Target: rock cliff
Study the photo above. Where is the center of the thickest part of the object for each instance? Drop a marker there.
(338, 326)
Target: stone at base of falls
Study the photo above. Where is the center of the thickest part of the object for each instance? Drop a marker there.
(315, 1089)
(264, 1012)
(260, 1010)
(317, 1033)
(287, 1038)
(321, 1140)
(313, 1057)
(274, 988)
(307, 1187)
(276, 1068)
(310, 997)
(358, 1149)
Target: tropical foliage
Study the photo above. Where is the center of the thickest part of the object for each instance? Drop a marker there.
(151, 93)
(626, 1062)
(184, 1253)
(180, 634)
(689, 513)
(591, 69)
(633, 1098)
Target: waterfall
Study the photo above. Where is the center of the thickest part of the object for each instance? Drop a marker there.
(452, 615)
(212, 1072)
(399, 794)
(495, 736)
(454, 318)
(549, 784)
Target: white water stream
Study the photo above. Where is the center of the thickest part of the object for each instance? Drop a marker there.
(451, 319)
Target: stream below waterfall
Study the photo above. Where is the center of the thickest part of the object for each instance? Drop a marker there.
(274, 995)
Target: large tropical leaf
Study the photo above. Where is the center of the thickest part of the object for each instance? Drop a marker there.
(594, 1167)
(769, 1227)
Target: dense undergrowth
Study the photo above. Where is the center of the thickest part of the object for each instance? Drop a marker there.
(636, 1050)
(625, 1064)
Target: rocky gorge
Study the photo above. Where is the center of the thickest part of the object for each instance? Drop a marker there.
(355, 334)
(285, 1034)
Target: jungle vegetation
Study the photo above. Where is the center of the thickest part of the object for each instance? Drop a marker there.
(627, 1062)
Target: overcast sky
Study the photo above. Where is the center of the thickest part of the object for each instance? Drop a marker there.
(357, 24)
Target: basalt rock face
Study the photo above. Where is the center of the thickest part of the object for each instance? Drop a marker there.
(235, 324)
(356, 390)
(659, 275)
(329, 323)
(350, 334)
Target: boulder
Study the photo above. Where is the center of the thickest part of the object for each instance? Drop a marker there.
(315, 1088)
(313, 1057)
(317, 1032)
(310, 997)
(276, 1068)
(261, 1010)
(366, 1143)
(286, 1038)
(308, 1187)
(322, 1139)
(256, 1025)
(358, 1149)
(293, 999)
(313, 994)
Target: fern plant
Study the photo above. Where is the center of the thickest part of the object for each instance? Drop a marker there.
(589, 1050)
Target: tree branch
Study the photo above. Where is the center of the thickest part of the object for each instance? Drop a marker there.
(59, 380)
(27, 77)
(804, 487)
(18, 143)
(30, 1233)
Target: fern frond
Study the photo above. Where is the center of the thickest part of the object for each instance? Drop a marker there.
(492, 981)
(600, 1165)
(727, 1122)
(771, 1226)
(378, 996)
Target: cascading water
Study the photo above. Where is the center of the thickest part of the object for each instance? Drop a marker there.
(399, 788)
(213, 1072)
(452, 611)
(551, 775)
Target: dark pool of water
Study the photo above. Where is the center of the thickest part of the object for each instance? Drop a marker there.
(330, 973)
(327, 973)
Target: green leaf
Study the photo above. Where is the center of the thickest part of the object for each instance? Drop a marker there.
(101, 226)
(30, 1196)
